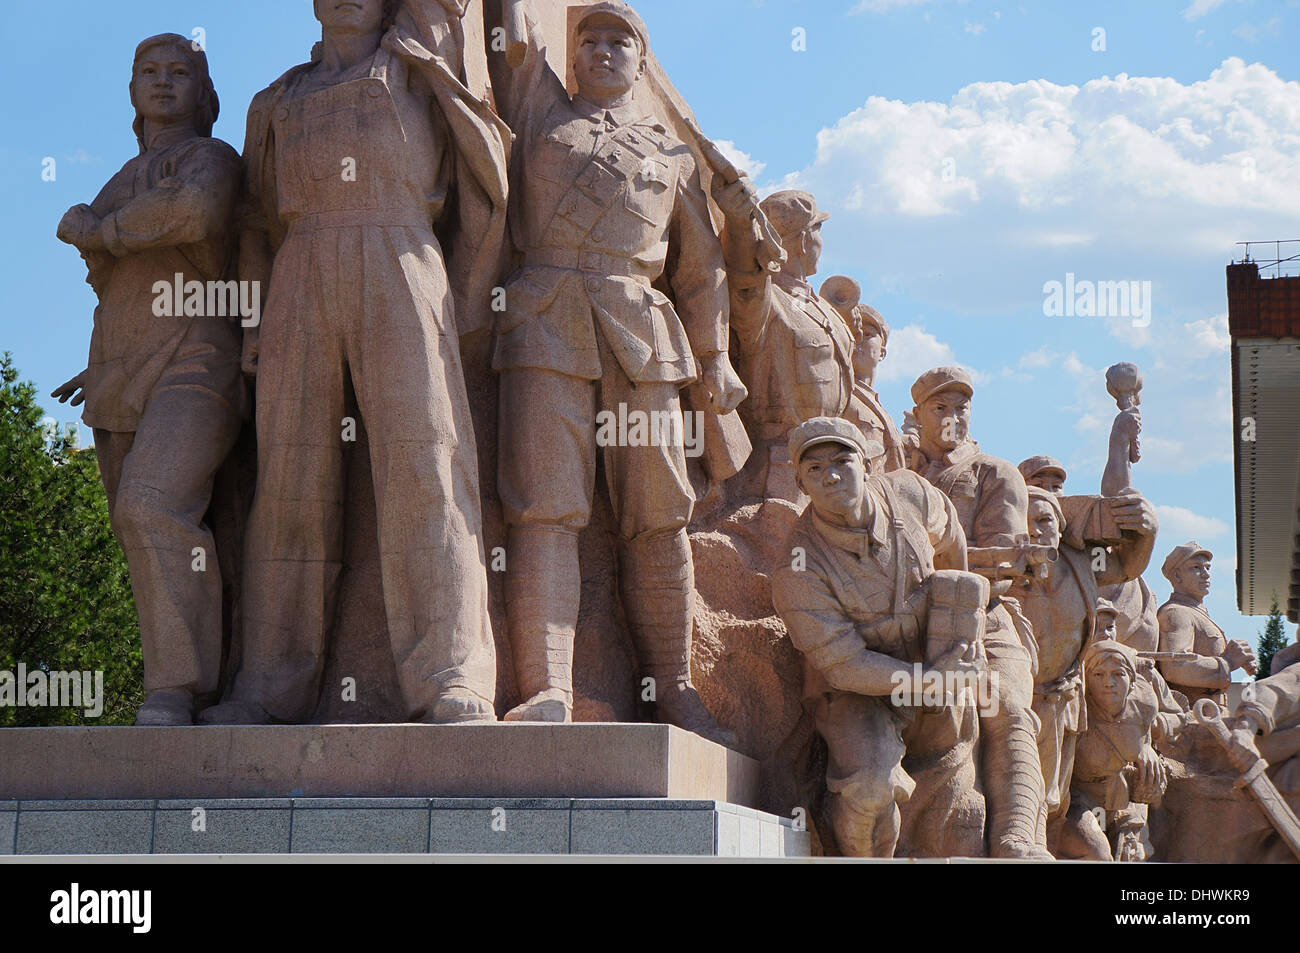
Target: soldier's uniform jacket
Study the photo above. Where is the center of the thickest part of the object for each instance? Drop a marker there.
(603, 205)
(870, 416)
(992, 503)
(796, 353)
(1186, 627)
(988, 492)
(833, 604)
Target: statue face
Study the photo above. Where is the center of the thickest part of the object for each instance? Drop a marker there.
(1044, 530)
(164, 86)
(1109, 682)
(834, 476)
(1053, 481)
(1192, 578)
(868, 353)
(608, 60)
(350, 16)
(1107, 627)
(944, 419)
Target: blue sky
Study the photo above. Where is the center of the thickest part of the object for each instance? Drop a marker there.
(969, 152)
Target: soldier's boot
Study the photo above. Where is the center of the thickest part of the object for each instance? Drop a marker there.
(657, 578)
(543, 589)
(862, 832)
(166, 707)
(1013, 784)
(235, 711)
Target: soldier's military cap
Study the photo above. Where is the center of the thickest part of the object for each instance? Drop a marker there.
(1180, 555)
(622, 12)
(820, 430)
(1035, 465)
(791, 211)
(872, 319)
(939, 379)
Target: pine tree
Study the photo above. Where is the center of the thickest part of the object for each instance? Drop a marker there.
(65, 593)
(1271, 640)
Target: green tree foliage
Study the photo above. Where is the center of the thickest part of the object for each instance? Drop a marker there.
(65, 594)
(1271, 640)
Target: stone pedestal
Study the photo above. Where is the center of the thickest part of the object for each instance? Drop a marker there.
(457, 826)
(464, 789)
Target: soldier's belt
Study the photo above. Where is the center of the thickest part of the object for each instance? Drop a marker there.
(365, 217)
(594, 262)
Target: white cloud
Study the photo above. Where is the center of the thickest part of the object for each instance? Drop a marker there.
(912, 352)
(742, 160)
(1199, 8)
(1176, 522)
(1009, 185)
(1209, 336)
(975, 29)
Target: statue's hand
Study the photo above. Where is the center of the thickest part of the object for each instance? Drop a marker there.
(71, 389)
(1151, 777)
(80, 227)
(1136, 514)
(967, 658)
(1239, 654)
(1242, 752)
(721, 381)
(736, 199)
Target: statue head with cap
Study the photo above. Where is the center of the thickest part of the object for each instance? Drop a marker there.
(830, 456)
(1046, 520)
(942, 397)
(797, 219)
(1044, 471)
(870, 332)
(1187, 567)
(610, 46)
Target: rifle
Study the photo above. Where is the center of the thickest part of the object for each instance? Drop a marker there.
(1011, 562)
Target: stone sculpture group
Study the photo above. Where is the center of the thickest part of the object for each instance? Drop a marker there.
(464, 285)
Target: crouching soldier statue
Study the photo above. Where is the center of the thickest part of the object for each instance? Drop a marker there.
(876, 622)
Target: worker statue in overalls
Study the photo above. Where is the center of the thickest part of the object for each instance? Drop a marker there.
(350, 164)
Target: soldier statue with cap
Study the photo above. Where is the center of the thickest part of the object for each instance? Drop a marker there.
(864, 604)
(606, 208)
(796, 352)
(870, 338)
(992, 502)
(1185, 626)
(1045, 472)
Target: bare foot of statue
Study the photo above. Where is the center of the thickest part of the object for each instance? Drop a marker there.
(460, 706)
(553, 705)
(235, 712)
(680, 704)
(166, 707)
